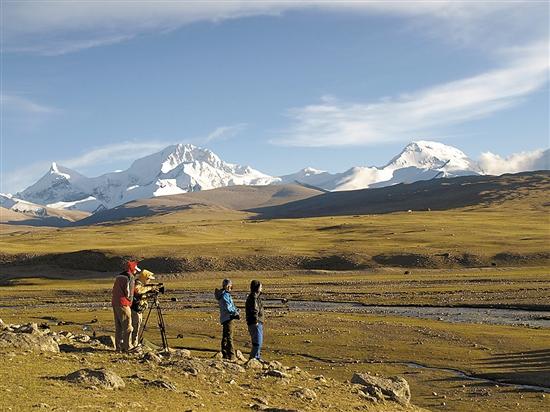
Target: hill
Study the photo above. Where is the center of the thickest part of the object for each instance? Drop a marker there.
(229, 198)
(435, 194)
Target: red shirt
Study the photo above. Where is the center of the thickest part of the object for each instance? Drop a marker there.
(123, 290)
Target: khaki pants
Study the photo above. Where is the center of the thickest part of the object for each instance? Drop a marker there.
(137, 318)
(123, 328)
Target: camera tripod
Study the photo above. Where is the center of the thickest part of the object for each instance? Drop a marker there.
(160, 318)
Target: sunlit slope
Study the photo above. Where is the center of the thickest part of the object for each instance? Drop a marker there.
(515, 223)
(232, 197)
(531, 189)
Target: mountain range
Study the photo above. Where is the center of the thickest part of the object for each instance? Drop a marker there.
(185, 168)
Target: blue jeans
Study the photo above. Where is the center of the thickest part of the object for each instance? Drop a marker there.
(257, 335)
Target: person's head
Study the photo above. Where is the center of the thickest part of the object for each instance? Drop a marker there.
(255, 286)
(227, 285)
(132, 267)
(145, 276)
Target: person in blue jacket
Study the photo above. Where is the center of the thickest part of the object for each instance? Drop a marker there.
(228, 313)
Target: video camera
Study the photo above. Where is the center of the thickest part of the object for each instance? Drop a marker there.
(157, 288)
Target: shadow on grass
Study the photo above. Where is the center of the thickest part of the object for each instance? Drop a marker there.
(67, 348)
(528, 368)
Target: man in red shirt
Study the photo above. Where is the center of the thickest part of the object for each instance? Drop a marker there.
(123, 293)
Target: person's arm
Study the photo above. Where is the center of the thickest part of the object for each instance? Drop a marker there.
(127, 289)
(254, 310)
(231, 308)
(141, 289)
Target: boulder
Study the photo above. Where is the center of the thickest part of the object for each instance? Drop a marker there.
(277, 374)
(107, 340)
(253, 364)
(158, 383)
(31, 328)
(305, 393)
(99, 378)
(151, 357)
(396, 388)
(28, 341)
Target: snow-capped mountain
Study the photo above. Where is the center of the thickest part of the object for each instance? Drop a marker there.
(421, 160)
(176, 169)
(7, 201)
(187, 168)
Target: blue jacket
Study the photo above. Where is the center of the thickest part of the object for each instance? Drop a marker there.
(227, 307)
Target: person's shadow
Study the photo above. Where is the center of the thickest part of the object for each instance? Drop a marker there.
(527, 368)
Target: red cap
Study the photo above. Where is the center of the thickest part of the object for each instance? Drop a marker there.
(132, 266)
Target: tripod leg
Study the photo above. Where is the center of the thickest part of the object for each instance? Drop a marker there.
(162, 328)
(140, 336)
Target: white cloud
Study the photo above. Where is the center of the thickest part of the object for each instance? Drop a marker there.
(13, 103)
(494, 164)
(114, 152)
(22, 177)
(55, 27)
(334, 123)
(107, 155)
(225, 132)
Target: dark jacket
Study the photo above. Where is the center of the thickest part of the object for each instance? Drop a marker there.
(254, 305)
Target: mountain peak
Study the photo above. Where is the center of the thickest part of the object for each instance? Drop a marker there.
(425, 154)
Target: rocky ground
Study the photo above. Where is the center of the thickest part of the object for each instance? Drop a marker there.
(64, 371)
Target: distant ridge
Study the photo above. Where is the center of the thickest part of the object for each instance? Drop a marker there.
(438, 194)
(186, 168)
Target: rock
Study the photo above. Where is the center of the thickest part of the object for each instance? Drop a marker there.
(305, 393)
(107, 340)
(275, 365)
(396, 388)
(28, 342)
(233, 367)
(261, 401)
(158, 383)
(41, 405)
(100, 378)
(66, 334)
(218, 356)
(151, 357)
(253, 364)
(240, 356)
(320, 378)
(192, 394)
(179, 353)
(31, 328)
(82, 338)
(277, 374)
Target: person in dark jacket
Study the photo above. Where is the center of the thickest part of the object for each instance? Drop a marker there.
(228, 313)
(255, 318)
(123, 294)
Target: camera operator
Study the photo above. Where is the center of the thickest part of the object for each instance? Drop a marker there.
(122, 295)
(141, 291)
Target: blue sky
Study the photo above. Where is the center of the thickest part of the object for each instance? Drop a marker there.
(275, 85)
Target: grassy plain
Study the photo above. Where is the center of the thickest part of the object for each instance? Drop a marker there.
(334, 344)
(331, 343)
(482, 232)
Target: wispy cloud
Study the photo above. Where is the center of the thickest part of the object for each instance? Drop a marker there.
(335, 123)
(56, 27)
(114, 152)
(108, 155)
(13, 103)
(494, 164)
(225, 132)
